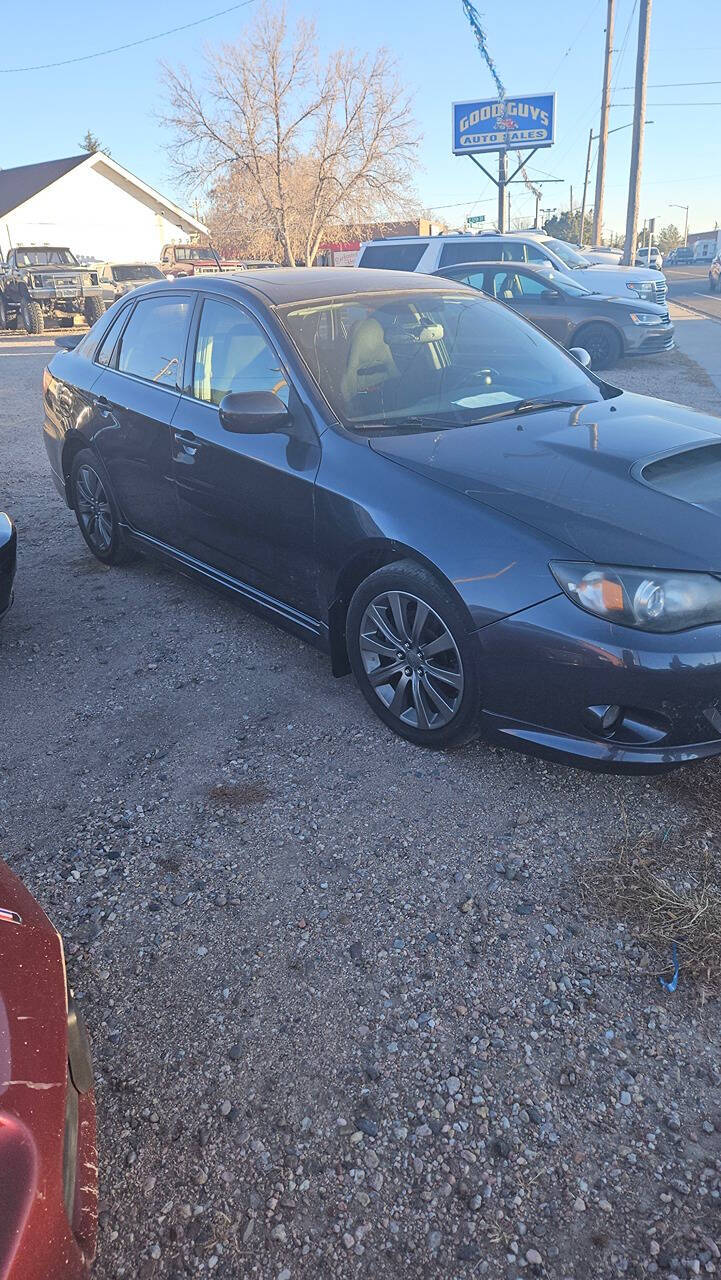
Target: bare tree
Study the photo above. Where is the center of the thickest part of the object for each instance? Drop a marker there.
(303, 145)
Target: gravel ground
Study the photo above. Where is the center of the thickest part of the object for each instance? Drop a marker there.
(352, 1012)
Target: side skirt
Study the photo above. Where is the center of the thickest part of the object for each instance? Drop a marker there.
(259, 602)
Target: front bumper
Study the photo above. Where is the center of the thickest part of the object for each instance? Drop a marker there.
(549, 667)
(8, 561)
(642, 340)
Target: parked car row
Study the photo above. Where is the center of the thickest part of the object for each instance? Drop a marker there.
(611, 311)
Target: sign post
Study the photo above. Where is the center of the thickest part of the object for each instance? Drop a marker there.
(501, 125)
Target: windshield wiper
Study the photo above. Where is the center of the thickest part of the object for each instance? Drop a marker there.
(423, 422)
(530, 406)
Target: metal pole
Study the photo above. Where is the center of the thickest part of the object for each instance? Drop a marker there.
(508, 228)
(501, 191)
(570, 200)
(603, 129)
(585, 188)
(537, 219)
(639, 116)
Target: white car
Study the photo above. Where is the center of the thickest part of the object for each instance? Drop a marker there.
(602, 256)
(428, 253)
(649, 257)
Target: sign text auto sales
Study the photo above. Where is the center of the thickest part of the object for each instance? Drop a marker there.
(492, 124)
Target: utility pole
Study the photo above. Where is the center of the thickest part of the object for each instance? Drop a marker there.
(603, 130)
(508, 197)
(585, 188)
(639, 117)
(570, 199)
(502, 172)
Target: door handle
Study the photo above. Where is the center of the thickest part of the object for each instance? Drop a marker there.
(186, 446)
(103, 406)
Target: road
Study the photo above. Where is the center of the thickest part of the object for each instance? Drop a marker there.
(689, 287)
(358, 1010)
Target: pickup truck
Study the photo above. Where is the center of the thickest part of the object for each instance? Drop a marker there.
(39, 283)
(178, 260)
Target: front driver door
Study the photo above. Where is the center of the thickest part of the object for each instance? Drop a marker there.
(534, 298)
(245, 502)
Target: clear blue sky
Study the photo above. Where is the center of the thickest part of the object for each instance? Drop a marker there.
(554, 45)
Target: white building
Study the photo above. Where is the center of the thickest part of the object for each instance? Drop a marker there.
(93, 206)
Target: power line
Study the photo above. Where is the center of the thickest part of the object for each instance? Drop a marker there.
(669, 104)
(572, 45)
(132, 44)
(673, 84)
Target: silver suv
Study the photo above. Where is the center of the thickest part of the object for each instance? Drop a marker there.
(428, 253)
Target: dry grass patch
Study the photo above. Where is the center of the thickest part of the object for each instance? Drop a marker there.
(667, 887)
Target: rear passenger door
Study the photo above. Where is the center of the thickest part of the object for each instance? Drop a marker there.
(535, 299)
(135, 399)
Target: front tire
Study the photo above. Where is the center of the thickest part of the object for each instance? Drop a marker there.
(32, 316)
(602, 344)
(712, 284)
(96, 510)
(3, 313)
(94, 309)
(415, 659)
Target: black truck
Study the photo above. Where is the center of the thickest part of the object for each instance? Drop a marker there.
(40, 283)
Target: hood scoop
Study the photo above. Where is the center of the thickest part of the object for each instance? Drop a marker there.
(691, 475)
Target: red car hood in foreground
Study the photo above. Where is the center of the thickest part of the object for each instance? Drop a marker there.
(48, 1161)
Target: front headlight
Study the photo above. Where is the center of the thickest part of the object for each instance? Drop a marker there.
(643, 598)
(640, 317)
(645, 289)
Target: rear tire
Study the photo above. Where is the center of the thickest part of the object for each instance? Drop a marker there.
(405, 625)
(94, 309)
(602, 344)
(32, 316)
(96, 510)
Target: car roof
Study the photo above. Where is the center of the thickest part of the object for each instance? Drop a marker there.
(280, 285)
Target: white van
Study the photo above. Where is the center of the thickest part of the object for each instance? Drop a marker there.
(428, 253)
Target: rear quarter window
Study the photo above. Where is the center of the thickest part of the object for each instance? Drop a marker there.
(394, 257)
(472, 250)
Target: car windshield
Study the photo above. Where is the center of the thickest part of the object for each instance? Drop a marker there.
(137, 271)
(194, 253)
(566, 253)
(45, 258)
(429, 359)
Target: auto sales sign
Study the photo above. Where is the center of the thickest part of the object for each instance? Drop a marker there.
(492, 124)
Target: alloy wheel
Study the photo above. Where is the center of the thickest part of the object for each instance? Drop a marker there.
(94, 511)
(411, 660)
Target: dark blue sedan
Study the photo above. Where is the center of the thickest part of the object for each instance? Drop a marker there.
(489, 536)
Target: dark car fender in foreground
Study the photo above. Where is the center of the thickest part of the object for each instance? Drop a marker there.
(48, 1160)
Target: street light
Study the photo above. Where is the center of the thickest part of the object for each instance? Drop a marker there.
(593, 137)
(685, 230)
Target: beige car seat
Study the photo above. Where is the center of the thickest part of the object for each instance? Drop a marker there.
(370, 360)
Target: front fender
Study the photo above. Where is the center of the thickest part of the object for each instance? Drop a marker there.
(495, 564)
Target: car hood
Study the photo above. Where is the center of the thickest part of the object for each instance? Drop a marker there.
(589, 477)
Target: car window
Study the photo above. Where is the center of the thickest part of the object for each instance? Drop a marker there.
(474, 249)
(534, 253)
(394, 257)
(530, 287)
(153, 343)
(107, 345)
(232, 354)
(507, 285)
(475, 279)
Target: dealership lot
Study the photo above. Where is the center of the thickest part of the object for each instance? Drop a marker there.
(347, 998)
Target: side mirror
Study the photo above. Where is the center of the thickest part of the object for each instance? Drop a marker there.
(253, 412)
(580, 354)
